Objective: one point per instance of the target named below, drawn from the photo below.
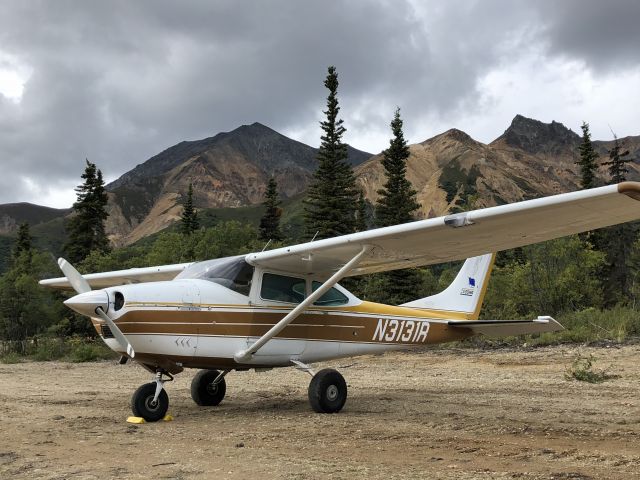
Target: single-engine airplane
(284, 307)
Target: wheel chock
(135, 420)
(167, 418)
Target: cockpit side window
(282, 288)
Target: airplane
(285, 308)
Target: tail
(466, 292)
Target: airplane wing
(121, 277)
(461, 235)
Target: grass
(73, 349)
(10, 358)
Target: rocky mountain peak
(534, 136)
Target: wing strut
(245, 355)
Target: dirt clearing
(440, 414)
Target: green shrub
(46, 349)
(89, 352)
(581, 369)
(10, 358)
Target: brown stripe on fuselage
(328, 325)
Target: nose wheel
(327, 391)
(150, 401)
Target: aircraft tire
(142, 403)
(203, 392)
(327, 391)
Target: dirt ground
(438, 414)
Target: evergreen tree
(617, 162)
(86, 227)
(270, 221)
(397, 204)
(23, 241)
(397, 199)
(190, 222)
(588, 157)
(332, 196)
(617, 241)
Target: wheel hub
(151, 404)
(212, 388)
(332, 393)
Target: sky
(117, 82)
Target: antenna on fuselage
(314, 237)
(266, 245)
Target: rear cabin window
(282, 288)
(332, 298)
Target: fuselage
(199, 324)
(218, 308)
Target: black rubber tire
(203, 392)
(141, 403)
(327, 391)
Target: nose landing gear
(150, 401)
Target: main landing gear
(327, 389)
(208, 387)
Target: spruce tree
(85, 228)
(270, 221)
(329, 208)
(397, 199)
(23, 241)
(617, 241)
(397, 204)
(617, 162)
(190, 222)
(587, 161)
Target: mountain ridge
(231, 169)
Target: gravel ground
(434, 414)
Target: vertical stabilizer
(466, 292)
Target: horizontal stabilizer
(502, 328)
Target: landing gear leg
(151, 401)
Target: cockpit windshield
(231, 272)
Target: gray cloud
(119, 81)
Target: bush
(11, 358)
(582, 370)
(89, 352)
(46, 349)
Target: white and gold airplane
(284, 307)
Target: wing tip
(630, 189)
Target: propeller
(81, 286)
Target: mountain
(13, 214)
(530, 159)
(230, 169)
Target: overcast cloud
(119, 81)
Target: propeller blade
(119, 336)
(76, 280)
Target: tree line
(599, 270)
